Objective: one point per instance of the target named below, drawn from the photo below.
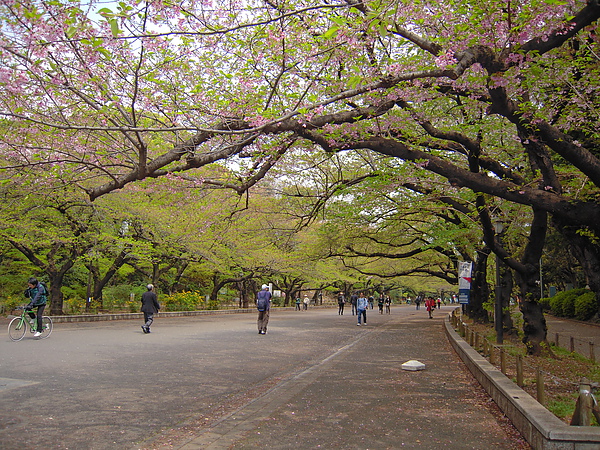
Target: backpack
(42, 284)
(262, 303)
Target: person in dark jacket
(37, 295)
(150, 307)
(353, 300)
(341, 303)
(263, 304)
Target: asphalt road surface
(316, 380)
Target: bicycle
(18, 326)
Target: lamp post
(498, 228)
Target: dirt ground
(561, 371)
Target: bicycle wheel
(46, 326)
(17, 328)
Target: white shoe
(37, 334)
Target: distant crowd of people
(359, 303)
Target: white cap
(264, 286)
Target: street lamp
(498, 228)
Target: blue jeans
(362, 313)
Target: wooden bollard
(541, 396)
(572, 344)
(476, 341)
(592, 354)
(503, 361)
(582, 416)
(492, 356)
(520, 371)
(556, 340)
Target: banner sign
(465, 269)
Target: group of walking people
(360, 303)
(302, 304)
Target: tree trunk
(246, 288)
(180, 270)
(506, 286)
(100, 283)
(480, 291)
(534, 327)
(528, 278)
(56, 282)
(55, 267)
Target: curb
(542, 429)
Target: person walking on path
(298, 302)
(361, 308)
(353, 299)
(341, 302)
(150, 307)
(388, 304)
(430, 306)
(380, 305)
(38, 296)
(263, 304)
(306, 302)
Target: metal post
(541, 280)
(498, 304)
(498, 229)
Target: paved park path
(316, 380)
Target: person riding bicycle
(38, 296)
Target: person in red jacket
(430, 305)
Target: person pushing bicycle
(38, 296)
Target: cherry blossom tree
(498, 97)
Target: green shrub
(183, 301)
(568, 305)
(586, 306)
(8, 304)
(74, 305)
(545, 303)
(119, 297)
(563, 303)
(556, 303)
(213, 304)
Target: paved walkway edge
(542, 429)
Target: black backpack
(262, 303)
